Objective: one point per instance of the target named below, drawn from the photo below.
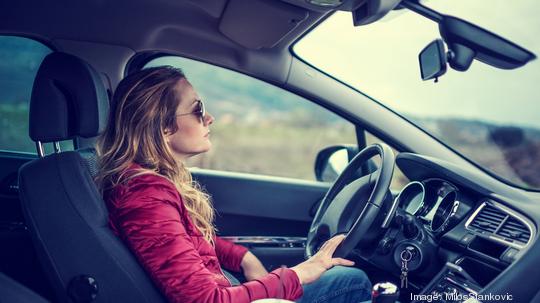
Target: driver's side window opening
(260, 128)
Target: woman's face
(193, 135)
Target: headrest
(68, 100)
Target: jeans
(338, 285)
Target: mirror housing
(433, 60)
(332, 160)
(467, 41)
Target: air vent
(488, 219)
(501, 223)
(514, 230)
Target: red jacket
(147, 212)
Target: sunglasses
(199, 111)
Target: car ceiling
(213, 30)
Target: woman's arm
(238, 258)
(252, 267)
(230, 255)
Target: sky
(381, 60)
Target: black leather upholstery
(89, 158)
(68, 99)
(62, 206)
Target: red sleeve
(229, 254)
(149, 222)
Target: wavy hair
(142, 112)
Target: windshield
(488, 115)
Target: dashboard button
(466, 239)
(509, 255)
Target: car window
(260, 128)
(487, 115)
(19, 62)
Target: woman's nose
(208, 119)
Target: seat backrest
(64, 211)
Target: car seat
(65, 213)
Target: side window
(19, 61)
(260, 128)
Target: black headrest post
(56, 145)
(41, 152)
(39, 148)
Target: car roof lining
(192, 28)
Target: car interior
(462, 233)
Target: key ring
(409, 256)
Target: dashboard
(454, 216)
(449, 202)
(471, 229)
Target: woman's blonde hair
(142, 112)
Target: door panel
(274, 251)
(273, 257)
(11, 218)
(254, 205)
(252, 225)
(262, 206)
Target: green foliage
(19, 61)
(13, 122)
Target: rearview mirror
(433, 60)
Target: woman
(156, 122)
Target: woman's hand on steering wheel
(311, 269)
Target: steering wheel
(353, 205)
